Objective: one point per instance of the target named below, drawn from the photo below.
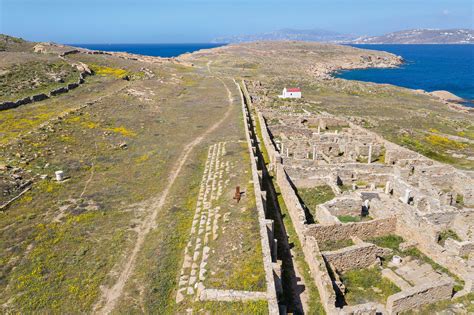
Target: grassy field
(62, 241)
(236, 256)
(34, 77)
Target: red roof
(294, 90)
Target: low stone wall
(362, 230)
(419, 296)
(459, 248)
(340, 206)
(297, 214)
(320, 274)
(309, 245)
(267, 242)
(408, 227)
(324, 216)
(353, 257)
(43, 96)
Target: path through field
(110, 296)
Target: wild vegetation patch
(367, 285)
(329, 245)
(312, 197)
(109, 71)
(445, 234)
(35, 77)
(353, 218)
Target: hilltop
(288, 34)
(417, 36)
(421, 36)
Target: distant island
(415, 36)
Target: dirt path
(110, 296)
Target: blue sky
(170, 21)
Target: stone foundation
(354, 257)
(418, 296)
(362, 230)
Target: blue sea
(157, 50)
(427, 67)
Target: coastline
(373, 59)
(442, 71)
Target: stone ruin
(400, 192)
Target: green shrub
(444, 235)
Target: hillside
(10, 43)
(314, 35)
(422, 36)
(417, 36)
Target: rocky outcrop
(325, 71)
(446, 96)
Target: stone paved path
(205, 223)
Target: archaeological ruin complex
(390, 211)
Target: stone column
(370, 154)
(388, 187)
(406, 197)
(287, 153)
(319, 129)
(367, 204)
(314, 153)
(365, 208)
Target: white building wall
(287, 94)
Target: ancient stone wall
(354, 257)
(409, 227)
(292, 202)
(418, 296)
(362, 230)
(42, 96)
(267, 243)
(462, 249)
(309, 245)
(344, 206)
(324, 216)
(320, 274)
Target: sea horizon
(429, 67)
